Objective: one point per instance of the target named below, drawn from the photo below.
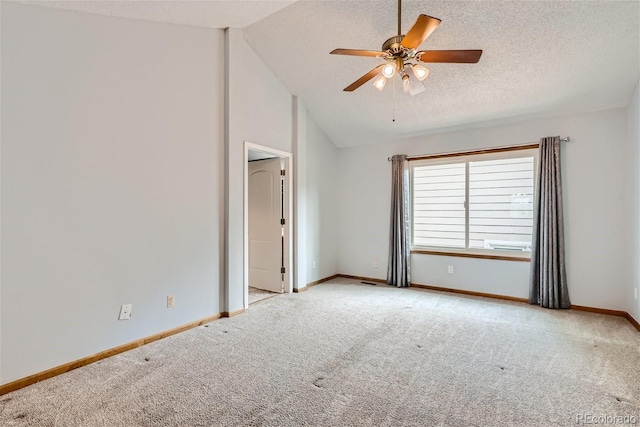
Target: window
(477, 204)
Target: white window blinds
(480, 202)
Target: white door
(265, 227)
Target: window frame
(466, 157)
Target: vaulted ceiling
(199, 13)
(540, 58)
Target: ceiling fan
(401, 56)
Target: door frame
(288, 228)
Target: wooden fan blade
(362, 80)
(423, 27)
(357, 52)
(455, 56)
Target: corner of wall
(224, 294)
(633, 209)
(299, 145)
(1, 382)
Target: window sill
(470, 255)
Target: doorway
(267, 213)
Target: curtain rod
(565, 139)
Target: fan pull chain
(393, 102)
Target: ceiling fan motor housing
(395, 49)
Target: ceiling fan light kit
(400, 54)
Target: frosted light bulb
(406, 84)
(388, 70)
(379, 82)
(420, 72)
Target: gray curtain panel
(399, 245)
(548, 281)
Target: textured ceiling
(201, 13)
(540, 58)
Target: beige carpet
(256, 294)
(347, 354)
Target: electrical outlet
(125, 312)
(376, 264)
(635, 292)
(314, 264)
(171, 301)
(450, 269)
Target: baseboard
(231, 314)
(633, 321)
(472, 293)
(367, 279)
(49, 373)
(326, 279)
(438, 288)
(609, 312)
(600, 310)
(606, 311)
(316, 282)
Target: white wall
(0, 195)
(633, 200)
(111, 171)
(594, 190)
(321, 203)
(364, 192)
(258, 110)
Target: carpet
(349, 354)
(256, 295)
